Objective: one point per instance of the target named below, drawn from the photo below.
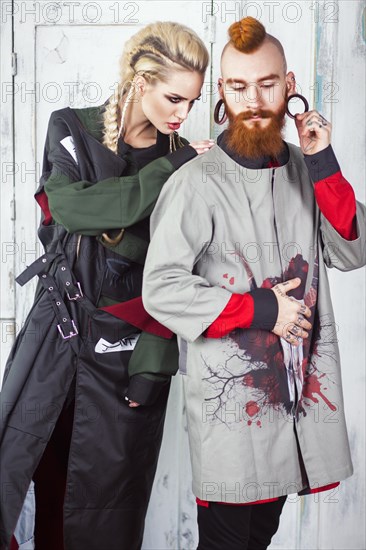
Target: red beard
(255, 142)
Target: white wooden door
(67, 55)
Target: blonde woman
(90, 363)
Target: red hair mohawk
(247, 34)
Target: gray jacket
(253, 401)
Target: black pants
(250, 527)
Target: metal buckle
(77, 296)
(75, 333)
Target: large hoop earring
(217, 118)
(303, 99)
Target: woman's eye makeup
(174, 99)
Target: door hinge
(211, 29)
(14, 64)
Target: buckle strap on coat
(36, 268)
(66, 326)
(73, 288)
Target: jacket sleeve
(90, 208)
(255, 309)
(334, 195)
(342, 218)
(182, 227)
(339, 252)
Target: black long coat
(114, 449)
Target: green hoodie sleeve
(92, 208)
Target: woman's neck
(139, 132)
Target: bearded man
(237, 268)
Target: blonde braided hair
(153, 52)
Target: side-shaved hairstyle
(154, 52)
(248, 34)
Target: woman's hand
(314, 132)
(291, 321)
(132, 403)
(203, 145)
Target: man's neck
(258, 163)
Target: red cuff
(238, 313)
(336, 200)
(42, 200)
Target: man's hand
(203, 145)
(314, 132)
(291, 321)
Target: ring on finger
(300, 319)
(323, 121)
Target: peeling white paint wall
(68, 55)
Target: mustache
(246, 115)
